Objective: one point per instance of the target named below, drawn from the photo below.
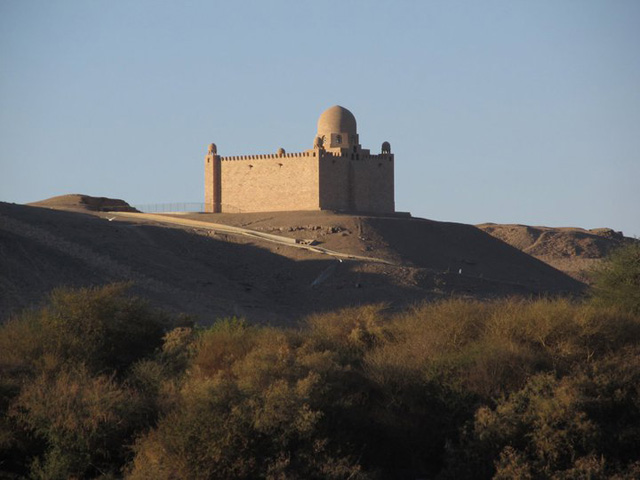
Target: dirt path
(303, 244)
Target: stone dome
(337, 119)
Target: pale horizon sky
(497, 111)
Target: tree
(617, 281)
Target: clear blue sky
(504, 111)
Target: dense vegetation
(617, 281)
(96, 384)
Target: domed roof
(337, 119)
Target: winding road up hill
(186, 263)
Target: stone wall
(373, 183)
(334, 182)
(270, 183)
(362, 184)
(300, 181)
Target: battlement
(362, 155)
(268, 156)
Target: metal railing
(170, 207)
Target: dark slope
(193, 271)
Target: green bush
(84, 421)
(583, 425)
(92, 386)
(617, 281)
(389, 395)
(248, 410)
(101, 327)
(78, 337)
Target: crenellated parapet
(268, 156)
(360, 155)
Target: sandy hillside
(574, 251)
(202, 270)
(81, 202)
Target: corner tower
(352, 179)
(212, 180)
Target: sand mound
(575, 251)
(79, 202)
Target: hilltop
(574, 251)
(81, 202)
(201, 268)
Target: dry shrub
(617, 280)
(248, 410)
(24, 345)
(84, 421)
(79, 333)
(178, 348)
(219, 347)
(512, 464)
(158, 379)
(515, 388)
(610, 396)
(349, 331)
(582, 425)
(470, 346)
(440, 361)
(538, 430)
(101, 327)
(491, 348)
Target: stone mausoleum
(336, 174)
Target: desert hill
(81, 202)
(190, 263)
(574, 251)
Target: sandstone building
(336, 174)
